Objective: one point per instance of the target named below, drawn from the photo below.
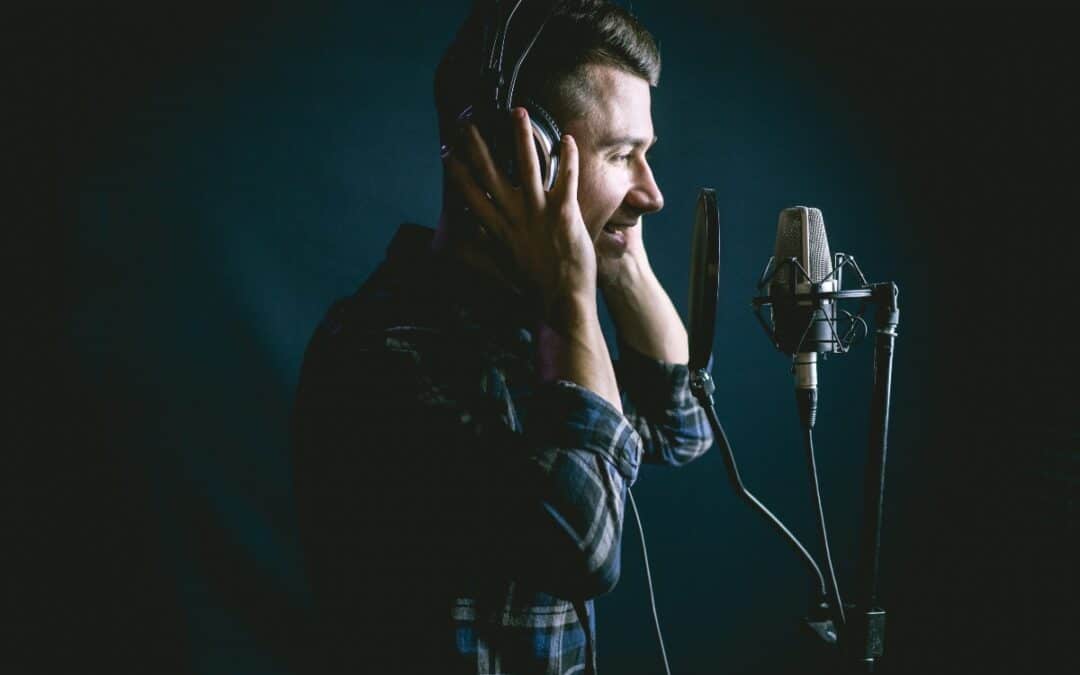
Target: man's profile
(464, 442)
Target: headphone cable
(648, 579)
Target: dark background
(193, 186)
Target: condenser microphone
(804, 324)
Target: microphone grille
(820, 259)
(800, 234)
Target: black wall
(194, 185)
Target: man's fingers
(475, 196)
(567, 180)
(528, 162)
(482, 163)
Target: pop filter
(704, 278)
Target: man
(464, 442)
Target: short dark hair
(578, 34)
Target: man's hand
(550, 246)
(544, 232)
(643, 312)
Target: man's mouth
(614, 237)
(612, 227)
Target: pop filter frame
(704, 289)
(704, 279)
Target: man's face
(616, 185)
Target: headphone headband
(491, 113)
(495, 75)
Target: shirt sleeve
(589, 454)
(404, 431)
(659, 404)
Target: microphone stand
(864, 637)
(861, 639)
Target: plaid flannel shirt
(459, 515)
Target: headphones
(491, 114)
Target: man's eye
(623, 158)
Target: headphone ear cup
(497, 132)
(548, 139)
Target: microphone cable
(808, 437)
(648, 579)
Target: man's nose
(645, 195)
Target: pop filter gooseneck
(704, 287)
